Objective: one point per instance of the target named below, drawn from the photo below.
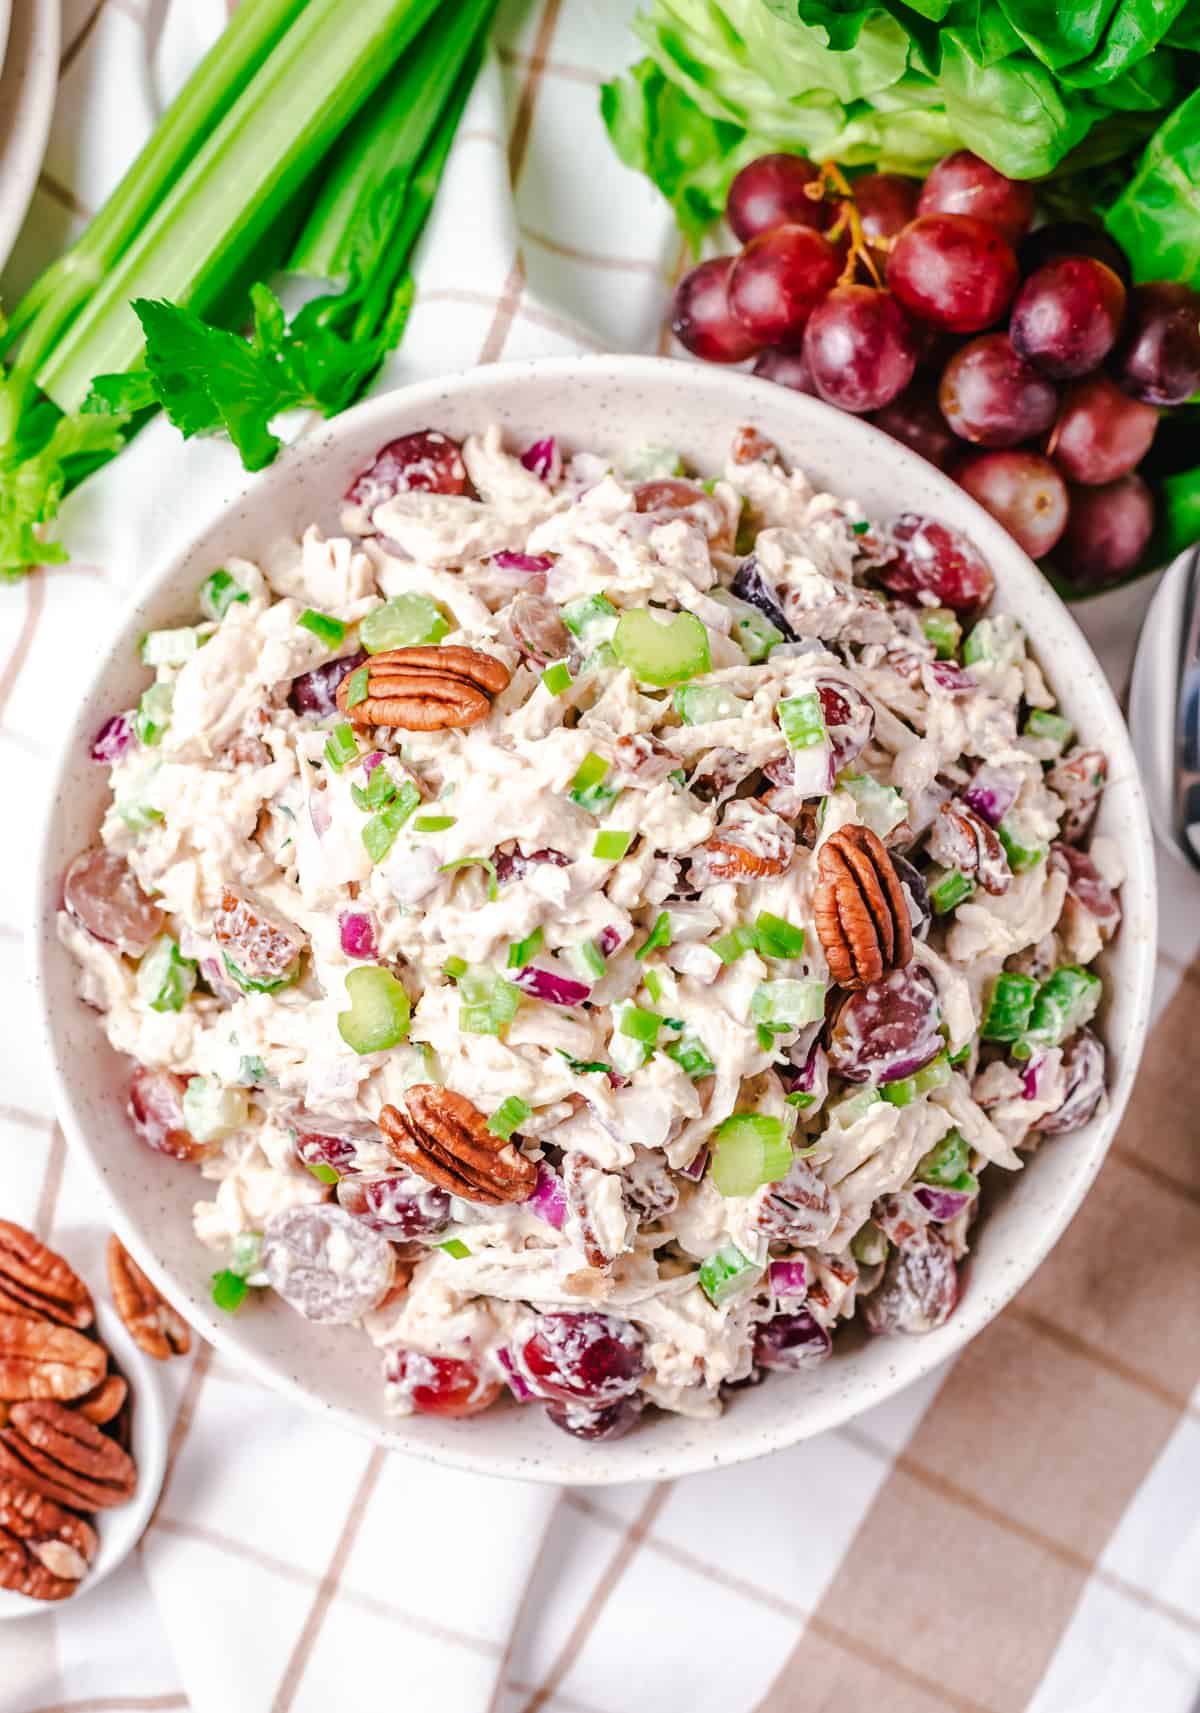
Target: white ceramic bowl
(611, 404)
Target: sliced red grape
(860, 348)
(774, 191)
(919, 1287)
(778, 280)
(962, 183)
(155, 1109)
(439, 1385)
(932, 558)
(1107, 532)
(702, 319)
(398, 1207)
(849, 720)
(1101, 432)
(588, 1356)
(886, 202)
(888, 1029)
(954, 271)
(315, 692)
(426, 461)
(791, 1341)
(1067, 316)
(334, 1142)
(992, 397)
(915, 419)
(787, 369)
(101, 892)
(1157, 358)
(1023, 491)
(591, 1422)
(1071, 238)
(1083, 1069)
(327, 1266)
(672, 496)
(537, 628)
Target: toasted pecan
(57, 1452)
(40, 1359)
(153, 1324)
(44, 1550)
(859, 908)
(444, 1137)
(425, 689)
(36, 1281)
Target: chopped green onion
(1020, 853)
(165, 978)
(765, 1036)
(904, 1090)
(218, 593)
(332, 632)
(169, 647)
(948, 1164)
(153, 713)
(584, 1067)
(436, 824)
(749, 1149)
(727, 1274)
(995, 641)
(379, 790)
(800, 1099)
(454, 967)
(341, 747)
(379, 1011)
(776, 938)
(659, 935)
(880, 807)
(947, 889)
(484, 863)
(783, 1005)
(862, 527)
(661, 648)
(404, 621)
(587, 788)
(590, 958)
(730, 946)
(611, 845)
(1009, 1007)
(489, 1003)
(690, 1055)
(456, 1247)
(508, 1115)
(524, 951)
(1051, 728)
(379, 834)
(654, 987)
(228, 1290)
(941, 627)
(321, 1172)
(357, 687)
(557, 678)
(802, 720)
(639, 1025)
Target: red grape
(778, 280)
(1158, 357)
(932, 558)
(1106, 532)
(860, 348)
(915, 419)
(155, 1110)
(103, 894)
(701, 319)
(1101, 433)
(886, 202)
(773, 191)
(593, 1422)
(1071, 238)
(787, 369)
(1024, 491)
(589, 1356)
(439, 1385)
(992, 397)
(964, 184)
(954, 271)
(1067, 316)
(426, 462)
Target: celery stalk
(321, 72)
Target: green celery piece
(508, 1115)
(194, 243)
(726, 1274)
(1009, 1007)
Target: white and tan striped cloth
(1017, 1535)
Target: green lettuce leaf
(1156, 218)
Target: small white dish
(28, 86)
(120, 1529)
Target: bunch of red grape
(1020, 361)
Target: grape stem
(833, 176)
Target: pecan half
(152, 1323)
(750, 842)
(444, 1137)
(104, 1403)
(36, 1281)
(584, 1185)
(263, 949)
(44, 1550)
(426, 689)
(963, 840)
(859, 908)
(56, 1452)
(749, 446)
(39, 1359)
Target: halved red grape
(327, 1266)
(1157, 358)
(537, 628)
(426, 461)
(589, 1356)
(315, 692)
(934, 559)
(1107, 532)
(439, 1385)
(919, 1287)
(1023, 491)
(886, 202)
(860, 348)
(954, 271)
(587, 1421)
(962, 183)
(773, 191)
(397, 1207)
(849, 720)
(702, 319)
(672, 496)
(155, 1110)
(1087, 888)
(915, 419)
(102, 893)
(1101, 432)
(791, 1341)
(888, 1029)
(1067, 316)
(992, 397)
(1071, 238)
(787, 369)
(1083, 1068)
(778, 280)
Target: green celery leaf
(1156, 218)
(207, 379)
(111, 394)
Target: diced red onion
(947, 676)
(942, 1204)
(507, 560)
(811, 1077)
(114, 737)
(548, 1200)
(695, 1167)
(371, 762)
(358, 935)
(547, 984)
(608, 939)
(992, 793)
(543, 459)
(318, 813)
(1037, 1072)
(517, 1383)
(789, 1278)
(515, 865)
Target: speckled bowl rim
(1029, 1216)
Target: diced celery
(433, 823)
(403, 621)
(727, 1274)
(764, 1034)
(1009, 1007)
(321, 1172)
(524, 951)
(690, 1055)
(948, 1164)
(652, 982)
(802, 721)
(590, 959)
(611, 844)
(995, 641)
(379, 834)
(1018, 847)
(904, 1090)
(732, 945)
(749, 1149)
(752, 629)
(379, 1011)
(1049, 728)
(776, 938)
(511, 1113)
(782, 1005)
(341, 747)
(455, 1247)
(557, 678)
(137, 815)
(601, 659)
(169, 647)
(489, 1003)
(592, 619)
(455, 967)
(210, 1112)
(153, 713)
(700, 704)
(218, 593)
(588, 789)
(940, 626)
(1065, 1002)
(855, 1106)
(638, 1024)
(330, 631)
(947, 889)
(880, 807)
(659, 935)
(652, 464)
(165, 978)
(661, 648)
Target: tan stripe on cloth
(971, 1560)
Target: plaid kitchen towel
(1015, 1535)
